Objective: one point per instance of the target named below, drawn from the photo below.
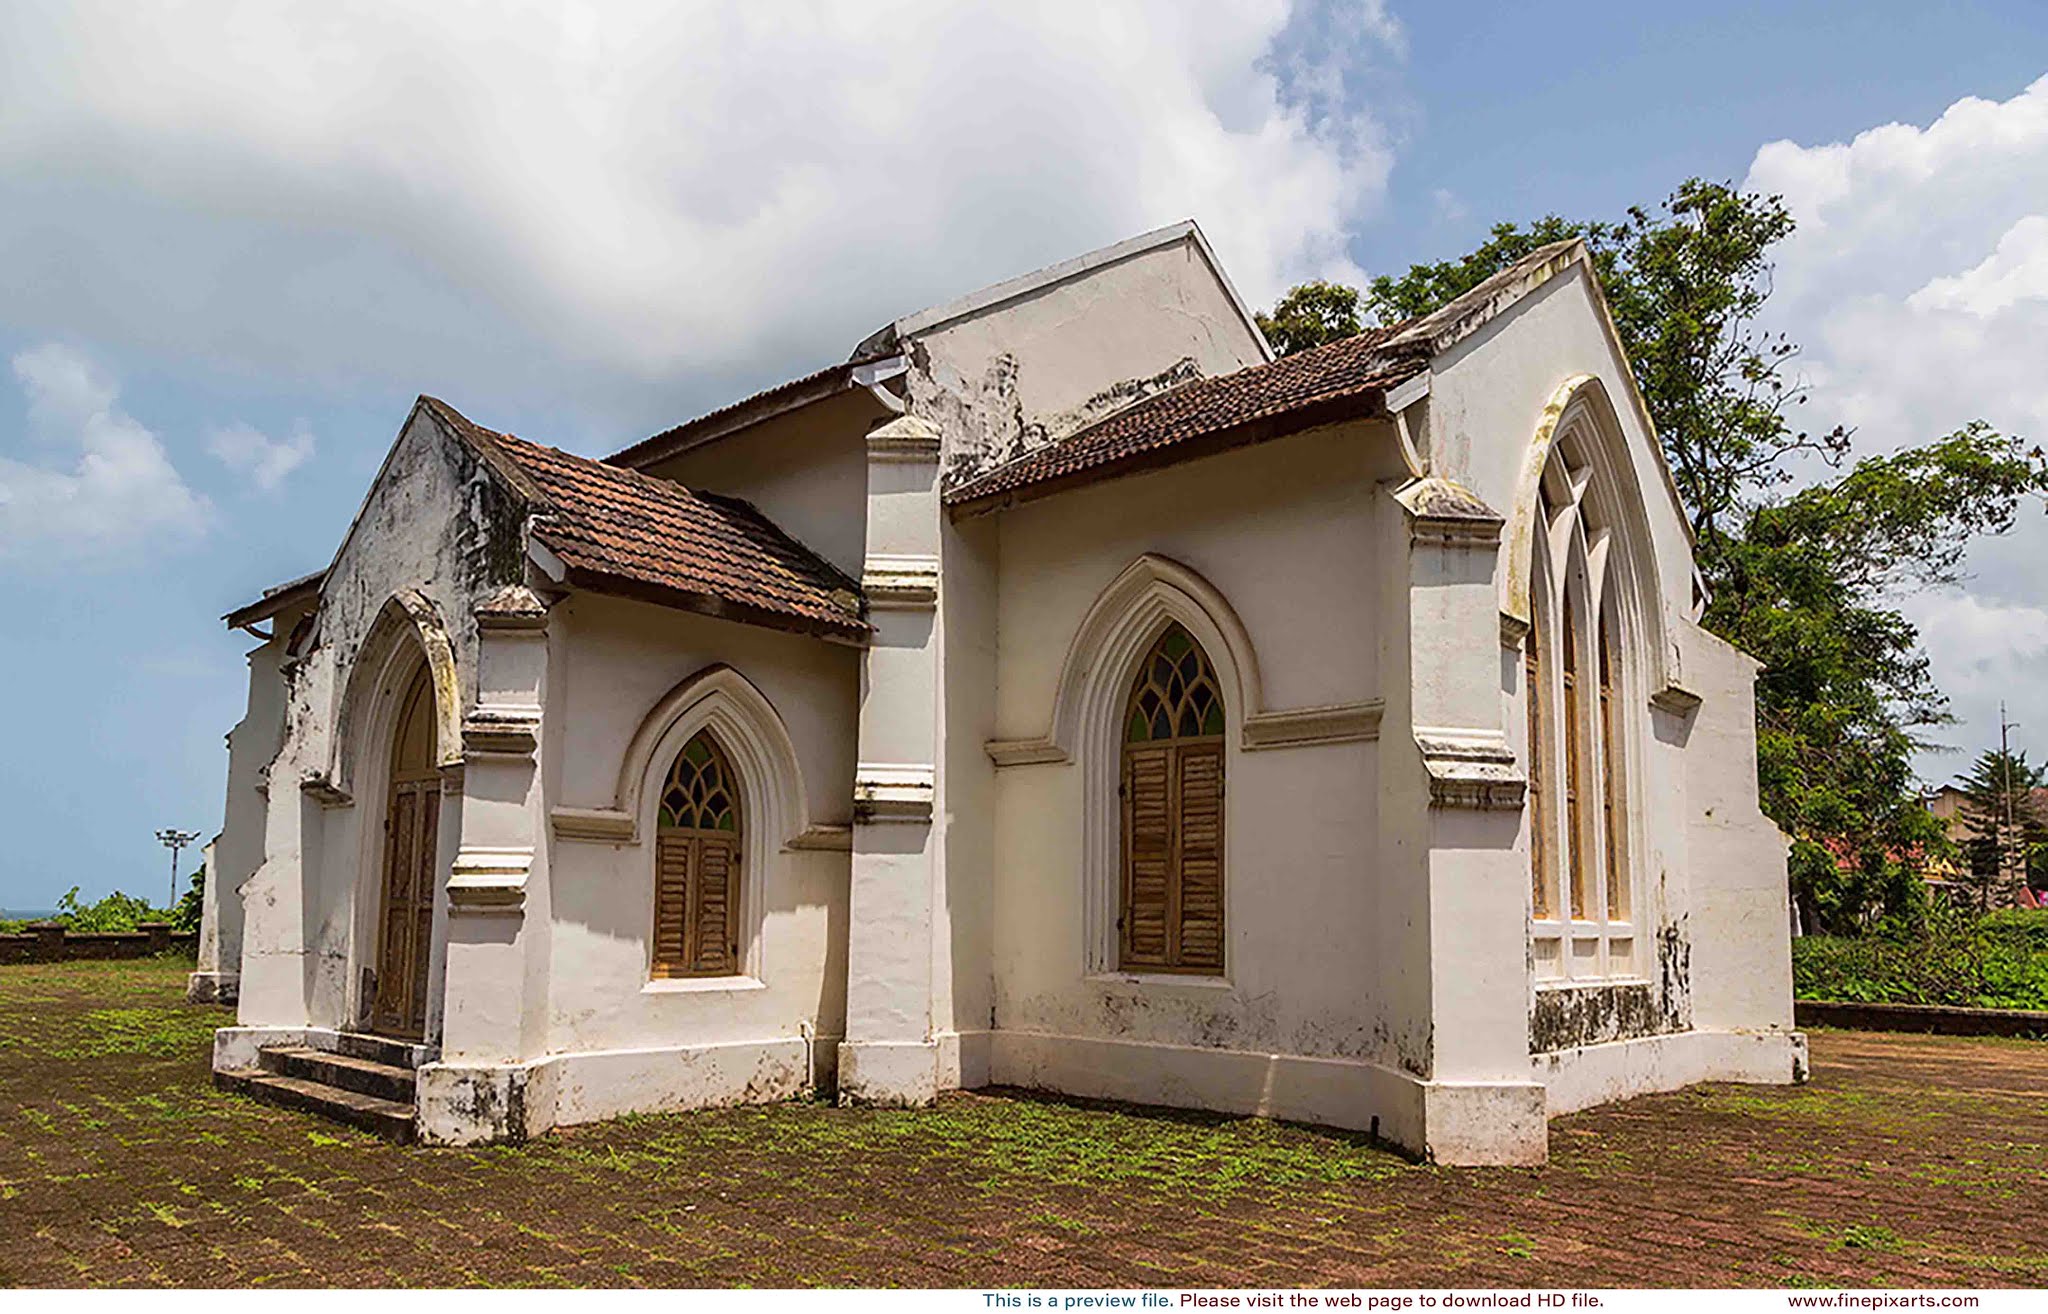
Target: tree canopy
(1804, 561)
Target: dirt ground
(1909, 1161)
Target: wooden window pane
(1574, 766)
(697, 864)
(1171, 914)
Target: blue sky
(232, 251)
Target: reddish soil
(1909, 1161)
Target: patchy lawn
(1908, 1161)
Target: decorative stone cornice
(321, 788)
(489, 880)
(513, 608)
(1444, 513)
(1024, 752)
(823, 837)
(1296, 727)
(501, 732)
(599, 825)
(907, 438)
(1676, 699)
(1513, 630)
(900, 583)
(893, 793)
(1471, 769)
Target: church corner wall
(435, 522)
(617, 1040)
(1741, 933)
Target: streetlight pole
(174, 839)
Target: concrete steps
(363, 1081)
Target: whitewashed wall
(1283, 531)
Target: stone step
(376, 1049)
(386, 1118)
(363, 1076)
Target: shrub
(1995, 961)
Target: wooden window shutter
(697, 866)
(712, 949)
(1171, 915)
(1148, 856)
(672, 903)
(1199, 824)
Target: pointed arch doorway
(412, 827)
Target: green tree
(1309, 316)
(1804, 578)
(2006, 836)
(1686, 284)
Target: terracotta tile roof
(620, 531)
(769, 401)
(1340, 380)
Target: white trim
(770, 795)
(717, 695)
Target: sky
(236, 240)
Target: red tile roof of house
(1340, 380)
(620, 531)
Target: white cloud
(546, 196)
(1918, 282)
(262, 460)
(123, 489)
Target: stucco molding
(485, 880)
(1582, 403)
(1339, 723)
(745, 723)
(900, 583)
(1676, 699)
(1121, 624)
(501, 732)
(1444, 513)
(907, 439)
(893, 792)
(1471, 769)
(408, 615)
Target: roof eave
(767, 405)
(280, 599)
(1364, 404)
(855, 633)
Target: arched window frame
(1172, 906)
(699, 864)
(772, 799)
(1580, 727)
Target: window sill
(1590, 982)
(1152, 979)
(700, 985)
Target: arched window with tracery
(1171, 913)
(697, 865)
(1575, 680)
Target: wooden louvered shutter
(1148, 856)
(712, 948)
(673, 854)
(1173, 733)
(1199, 828)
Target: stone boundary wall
(1936, 1018)
(50, 943)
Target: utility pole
(174, 839)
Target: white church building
(1061, 693)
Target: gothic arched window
(697, 865)
(1171, 915)
(1574, 687)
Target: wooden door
(412, 826)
